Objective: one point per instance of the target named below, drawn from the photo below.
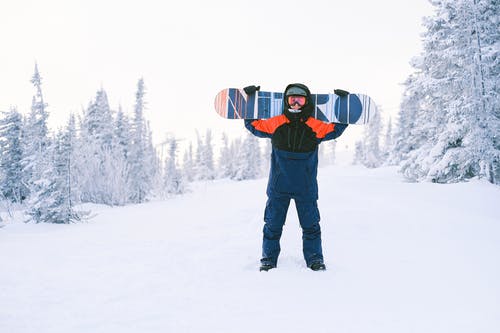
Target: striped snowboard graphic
(234, 103)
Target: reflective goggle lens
(300, 100)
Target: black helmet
(297, 89)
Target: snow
(401, 257)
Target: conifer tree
(174, 182)
(52, 203)
(248, 161)
(140, 163)
(234, 150)
(12, 186)
(410, 134)
(455, 88)
(122, 133)
(98, 121)
(152, 162)
(188, 164)
(72, 143)
(36, 139)
(204, 157)
(372, 154)
(388, 143)
(226, 159)
(106, 176)
(103, 166)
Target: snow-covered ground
(401, 257)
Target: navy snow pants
(274, 217)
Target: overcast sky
(188, 50)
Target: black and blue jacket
(294, 159)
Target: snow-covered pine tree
(226, 159)
(44, 192)
(372, 155)
(104, 176)
(153, 164)
(52, 203)
(123, 133)
(458, 76)
(139, 162)
(388, 142)
(204, 157)
(413, 130)
(71, 143)
(209, 155)
(234, 150)
(98, 121)
(405, 122)
(85, 160)
(424, 105)
(465, 149)
(488, 64)
(116, 184)
(39, 115)
(35, 138)
(12, 186)
(188, 164)
(197, 157)
(248, 160)
(91, 148)
(173, 182)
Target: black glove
(250, 90)
(341, 92)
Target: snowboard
(233, 103)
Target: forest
(447, 131)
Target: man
(295, 136)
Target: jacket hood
(306, 110)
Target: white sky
(188, 50)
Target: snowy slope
(401, 257)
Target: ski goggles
(300, 100)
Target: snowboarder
(295, 136)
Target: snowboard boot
(317, 266)
(265, 267)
